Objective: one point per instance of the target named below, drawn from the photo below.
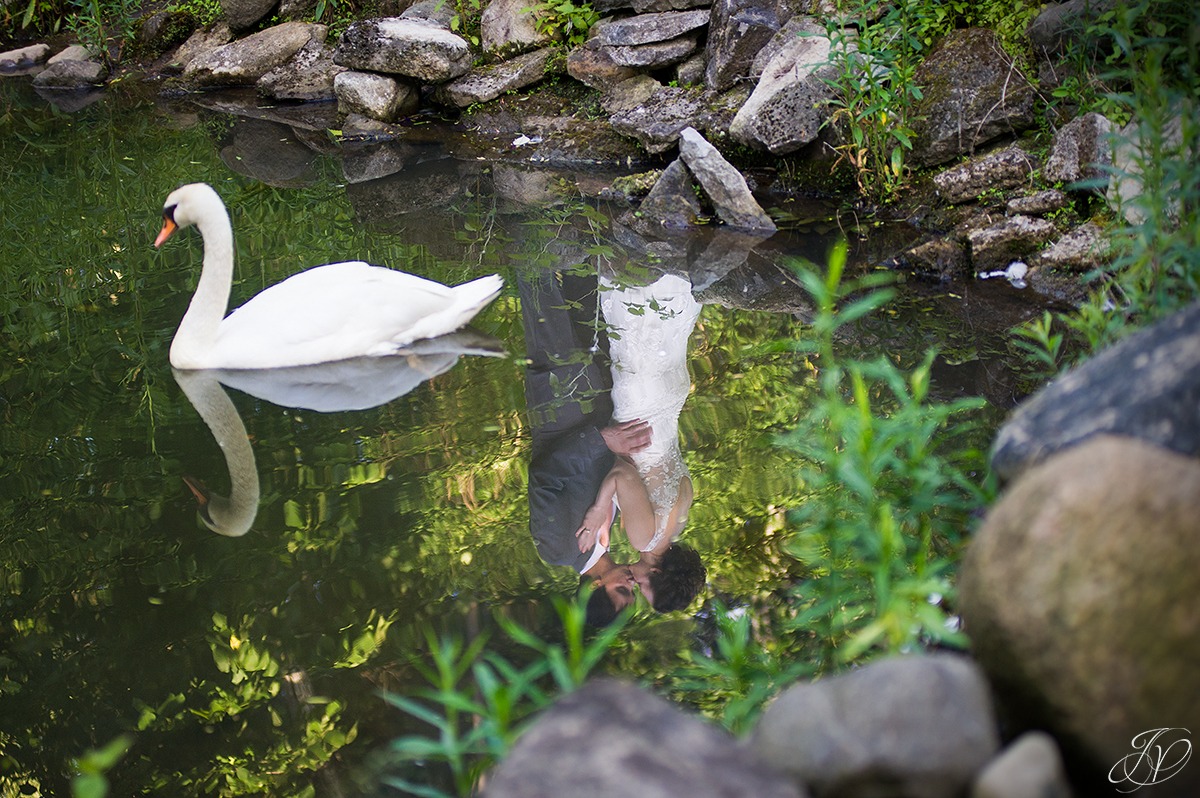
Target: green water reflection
(251, 665)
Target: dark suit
(567, 391)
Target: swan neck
(197, 333)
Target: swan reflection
(356, 384)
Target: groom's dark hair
(600, 610)
(679, 577)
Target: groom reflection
(605, 434)
(575, 443)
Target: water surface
(253, 664)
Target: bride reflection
(356, 384)
(649, 327)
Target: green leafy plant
(479, 702)
(875, 94)
(734, 682)
(90, 780)
(893, 481)
(1150, 73)
(97, 23)
(564, 20)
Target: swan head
(222, 515)
(188, 205)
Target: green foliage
(1041, 345)
(479, 702)
(734, 682)
(1149, 71)
(875, 94)
(466, 17)
(90, 780)
(893, 480)
(206, 12)
(564, 20)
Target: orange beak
(168, 229)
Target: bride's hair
(679, 577)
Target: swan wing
(332, 312)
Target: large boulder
(71, 75)
(1031, 767)
(24, 57)
(610, 739)
(789, 104)
(1006, 169)
(1078, 593)
(656, 124)
(511, 25)
(593, 65)
(243, 15)
(1083, 249)
(973, 93)
(307, 77)
(1015, 238)
(1147, 386)
(243, 62)
(648, 28)
(723, 184)
(738, 30)
(1081, 151)
(410, 48)
(485, 83)
(374, 96)
(915, 726)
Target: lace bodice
(648, 337)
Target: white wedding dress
(649, 328)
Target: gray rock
(435, 12)
(654, 55)
(510, 26)
(1030, 767)
(362, 163)
(245, 14)
(70, 75)
(1078, 592)
(727, 250)
(23, 57)
(307, 77)
(527, 187)
(943, 258)
(973, 94)
(1147, 386)
(671, 203)
(996, 246)
(657, 124)
(1135, 147)
(162, 30)
(629, 94)
(374, 96)
(267, 152)
(648, 28)
(738, 30)
(690, 71)
(724, 185)
(1038, 204)
(243, 62)
(1060, 25)
(1001, 170)
(1081, 151)
(75, 52)
(297, 10)
(913, 726)
(489, 82)
(611, 739)
(407, 47)
(1084, 249)
(789, 104)
(592, 65)
(202, 42)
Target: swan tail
(466, 302)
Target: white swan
(327, 313)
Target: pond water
(253, 664)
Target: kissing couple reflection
(606, 382)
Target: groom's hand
(627, 437)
